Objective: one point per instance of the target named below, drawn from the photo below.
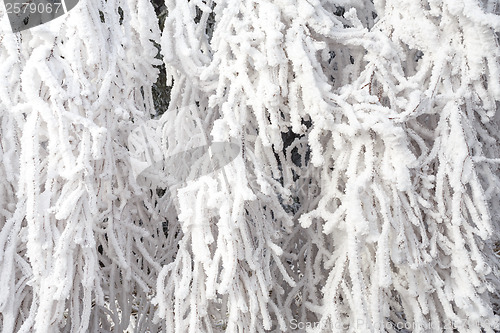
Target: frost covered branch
(365, 192)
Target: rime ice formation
(365, 198)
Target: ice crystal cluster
(364, 195)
